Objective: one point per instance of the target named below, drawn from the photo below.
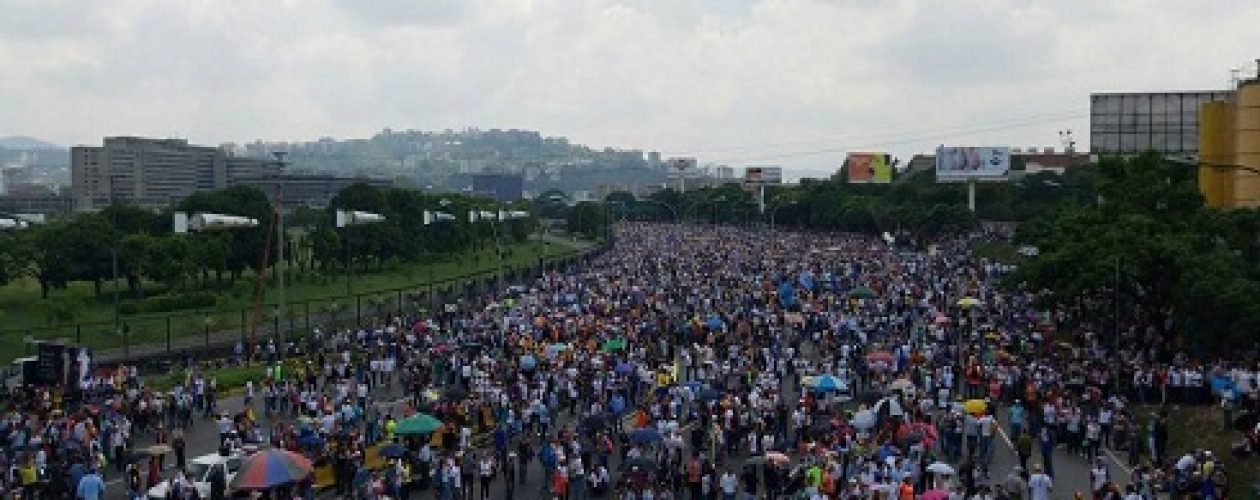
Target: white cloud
(730, 78)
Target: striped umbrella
(270, 468)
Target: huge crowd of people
(689, 361)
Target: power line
(906, 140)
(1008, 121)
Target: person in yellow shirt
(29, 475)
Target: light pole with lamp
(431, 218)
(203, 222)
(501, 216)
(775, 210)
(345, 219)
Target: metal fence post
(78, 334)
(358, 310)
(307, 305)
(168, 335)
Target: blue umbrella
(787, 296)
(528, 362)
(392, 450)
(714, 323)
(710, 395)
(645, 435)
(1219, 384)
(624, 367)
(826, 383)
(310, 441)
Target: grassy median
(78, 315)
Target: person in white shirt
(1098, 475)
(1039, 484)
(729, 485)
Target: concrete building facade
(154, 173)
(314, 191)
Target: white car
(199, 470)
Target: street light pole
(774, 211)
(281, 266)
(1116, 293)
(113, 257)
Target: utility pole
(280, 264)
(1116, 293)
(113, 257)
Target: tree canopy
(82, 247)
(1149, 243)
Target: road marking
(998, 425)
(1127, 470)
(1110, 454)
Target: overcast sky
(786, 82)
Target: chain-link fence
(207, 333)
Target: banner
(869, 168)
(763, 175)
(963, 164)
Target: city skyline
(796, 83)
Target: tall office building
(153, 173)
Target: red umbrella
(880, 357)
(935, 495)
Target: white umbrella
(891, 405)
(864, 419)
(941, 468)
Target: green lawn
(1000, 252)
(1199, 427)
(23, 312)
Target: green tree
(134, 253)
(51, 256)
(1154, 251)
(15, 256)
(169, 261)
(246, 245)
(588, 219)
(326, 247)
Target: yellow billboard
(867, 168)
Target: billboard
(1134, 123)
(962, 164)
(681, 164)
(869, 168)
(763, 175)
